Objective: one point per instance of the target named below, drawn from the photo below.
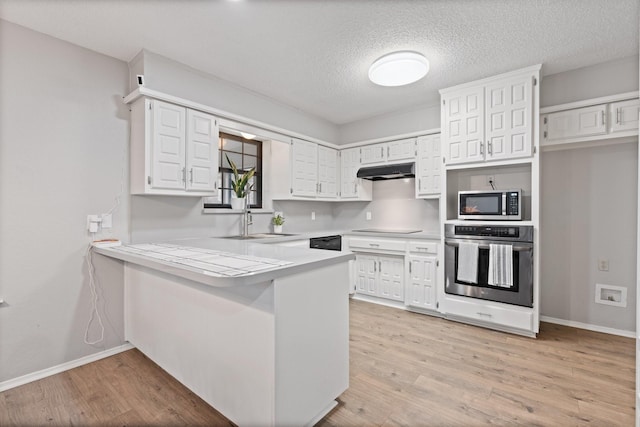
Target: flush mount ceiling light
(247, 135)
(398, 69)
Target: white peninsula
(260, 332)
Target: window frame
(258, 178)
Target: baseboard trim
(589, 327)
(38, 375)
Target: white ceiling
(314, 55)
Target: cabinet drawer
(511, 317)
(424, 247)
(377, 244)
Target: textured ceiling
(314, 55)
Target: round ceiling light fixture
(398, 68)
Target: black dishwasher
(329, 243)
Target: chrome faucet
(247, 219)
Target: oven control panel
(515, 233)
(494, 231)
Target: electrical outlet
(313, 216)
(491, 179)
(107, 220)
(603, 264)
(368, 216)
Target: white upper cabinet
(352, 188)
(168, 144)
(428, 166)
(491, 119)
(304, 168)
(327, 172)
(389, 152)
(375, 153)
(624, 115)
(463, 130)
(202, 151)
(508, 111)
(174, 150)
(404, 149)
(589, 121)
(580, 122)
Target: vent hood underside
(377, 173)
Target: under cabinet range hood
(376, 173)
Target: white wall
(589, 212)
(608, 78)
(63, 134)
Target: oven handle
(515, 248)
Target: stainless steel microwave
(490, 205)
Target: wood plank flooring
(406, 370)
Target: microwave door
(482, 204)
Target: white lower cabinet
(510, 317)
(401, 270)
(380, 276)
(421, 283)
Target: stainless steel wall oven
(520, 238)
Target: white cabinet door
(428, 166)
(624, 115)
(464, 125)
(421, 286)
(375, 153)
(366, 275)
(509, 116)
(304, 168)
(168, 146)
(580, 122)
(391, 277)
(327, 172)
(201, 151)
(349, 165)
(404, 149)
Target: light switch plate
(107, 220)
(368, 216)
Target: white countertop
(237, 262)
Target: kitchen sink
(258, 236)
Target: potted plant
(239, 185)
(277, 222)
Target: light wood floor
(406, 370)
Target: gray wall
(608, 78)
(169, 76)
(589, 212)
(63, 144)
(390, 125)
(394, 206)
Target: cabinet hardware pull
(374, 245)
(484, 314)
(380, 266)
(618, 116)
(422, 247)
(381, 151)
(320, 191)
(374, 267)
(191, 175)
(409, 267)
(515, 248)
(490, 147)
(481, 148)
(603, 118)
(387, 151)
(355, 188)
(184, 174)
